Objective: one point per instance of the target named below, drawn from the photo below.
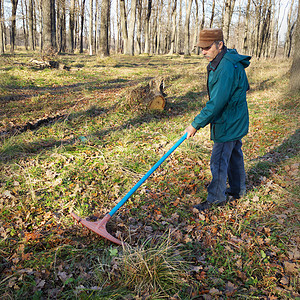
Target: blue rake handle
(142, 180)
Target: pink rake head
(99, 227)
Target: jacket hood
(234, 57)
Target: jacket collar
(212, 66)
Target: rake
(99, 227)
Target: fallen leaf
(291, 268)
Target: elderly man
(227, 113)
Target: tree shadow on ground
(175, 107)
(289, 148)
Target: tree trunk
(212, 14)
(47, 27)
(81, 25)
(139, 27)
(187, 29)
(203, 15)
(229, 7)
(173, 35)
(61, 30)
(91, 28)
(124, 25)
(147, 28)
(31, 27)
(289, 32)
(130, 47)
(14, 4)
(72, 26)
(147, 97)
(104, 37)
(196, 32)
(295, 69)
(246, 28)
(1, 29)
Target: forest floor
(70, 142)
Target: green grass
(92, 155)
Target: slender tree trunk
(147, 28)
(72, 26)
(139, 27)
(212, 14)
(229, 7)
(1, 29)
(124, 25)
(104, 28)
(246, 27)
(295, 69)
(290, 27)
(187, 29)
(173, 35)
(31, 27)
(196, 33)
(130, 47)
(24, 25)
(203, 15)
(47, 27)
(97, 14)
(81, 25)
(159, 30)
(13, 25)
(91, 28)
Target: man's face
(212, 51)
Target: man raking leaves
(227, 113)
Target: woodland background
(261, 28)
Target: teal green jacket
(227, 109)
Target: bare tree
(49, 32)
(289, 33)
(72, 26)
(130, 47)
(13, 25)
(295, 69)
(91, 28)
(61, 24)
(229, 7)
(246, 27)
(212, 13)
(173, 35)
(82, 7)
(187, 29)
(147, 27)
(31, 23)
(1, 28)
(104, 36)
(124, 25)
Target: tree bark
(124, 25)
(229, 7)
(246, 28)
(187, 29)
(72, 26)
(173, 35)
(147, 28)
(104, 29)
(14, 4)
(81, 25)
(295, 69)
(130, 47)
(91, 28)
(139, 27)
(1, 29)
(212, 14)
(48, 44)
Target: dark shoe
(203, 206)
(206, 205)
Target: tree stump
(150, 97)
